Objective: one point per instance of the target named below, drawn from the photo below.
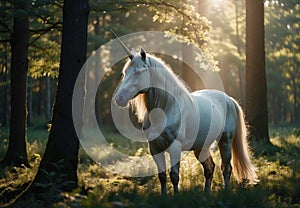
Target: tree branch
(5, 41)
(44, 31)
(177, 9)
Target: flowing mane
(162, 77)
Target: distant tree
(282, 60)
(61, 154)
(43, 53)
(4, 72)
(17, 154)
(256, 89)
(5, 86)
(227, 42)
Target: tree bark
(238, 48)
(29, 101)
(40, 105)
(61, 154)
(6, 97)
(5, 81)
(16, 154)
(48, 99)
(256, 90)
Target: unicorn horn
(123, 45)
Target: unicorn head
(135, 78)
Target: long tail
(241, 160)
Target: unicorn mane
(162, 77)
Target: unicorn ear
(143, 54)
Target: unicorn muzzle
(121, 100)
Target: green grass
(279, 174)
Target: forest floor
(278, 170)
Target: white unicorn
(176, 120)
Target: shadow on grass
(279, 185)
(239, 197)
(262, 148)
(279, 146)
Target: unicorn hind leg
(208, 166)
(225, 146)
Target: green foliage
(183, 19)
(44, 48)
(283, 59)
(44, 58)
(216, 35)
(278, 163)
(45, 19)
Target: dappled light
(278, 170)
(74, 132)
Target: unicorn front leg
(175, 156)
(157, 146)
(161, 167)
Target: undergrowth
(278, 170)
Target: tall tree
(256, 90)
(239, 50)
(48, 99)
(5, 78)
(61, 154)
(17, 154)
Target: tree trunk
(5, 78)
(40, 97)
(238, 48)
(48, 99)
(224, 72)
(6, 98)
(256, 91)
(203, 6)
(6, 115)
(61, 154)
(295, 118)
(29, 101)
(16, 154)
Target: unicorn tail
(241, 155)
